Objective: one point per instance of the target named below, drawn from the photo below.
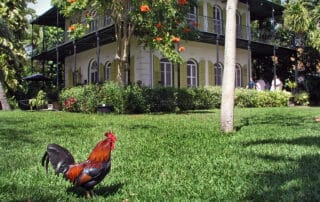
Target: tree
(13, 24)
(158, 25)
(228, 82)
(303, 18)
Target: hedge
(140, 99)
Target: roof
(49, 18)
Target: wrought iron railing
(204, 24)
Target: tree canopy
(13, 26)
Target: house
(90, 59)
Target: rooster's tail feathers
(59, 157)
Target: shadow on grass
(274, 119)
(104, 191)
(298, 181)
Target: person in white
(260, 85)
(276, 84)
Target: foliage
(301, 98)
(113, 94)
(302, 17)
(13, 24)
(272, 156)
(135, 99)
(39, 101)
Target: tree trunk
(3, 99)
(228, 82)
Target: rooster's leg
(89, 193)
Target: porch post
(57, 51)
(249, 71)
(274, 48)
(32, 47)
(98, 47)
(75, 79)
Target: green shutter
(101, 73)
(202, 73)
(156, 71)
(244, 74)
(70, 77)
(79, 75)
(132, 67)
(200, 9)
(244, 25)
(183, 75)
(210, 18)
(175, 74)
(211, 73)
(224, 17)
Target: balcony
(205, 24)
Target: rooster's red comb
(110, 136)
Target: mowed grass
(273, 156)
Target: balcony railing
(210, 25)
(205, 24)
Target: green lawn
(273, 156)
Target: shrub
(185, 99)
(215, 96)
(301, 99)
(40, 101)
(246, 98)
(113, 94)
(75, 92)
(135, 101)
(161, 99)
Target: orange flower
(159, 38)
(144, 8)
(71, 1)
(175, 39)
(182, 2)
(159, 25)
(71, 28)
(182, 48)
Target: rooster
(86, 174)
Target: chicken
(86, 174)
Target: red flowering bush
(69, 104)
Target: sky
(41, 6)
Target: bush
(185, 99)
(301, 99)
(161, 99)
(246, 98)
(40, 101)
(113, 94)
(135, 101)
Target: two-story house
(90, 59)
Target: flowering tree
(158, 25)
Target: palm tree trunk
(228, 82)
(3, 99)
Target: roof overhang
(262, 9)
(51, 17)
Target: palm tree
(227, 101)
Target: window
(238, 75)
(94, 72)
(166, 72)
(107, 71)
(192, 74)
(217, 20)
(238, 22)
(218, 72)
(192, 15)
(107, 18)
